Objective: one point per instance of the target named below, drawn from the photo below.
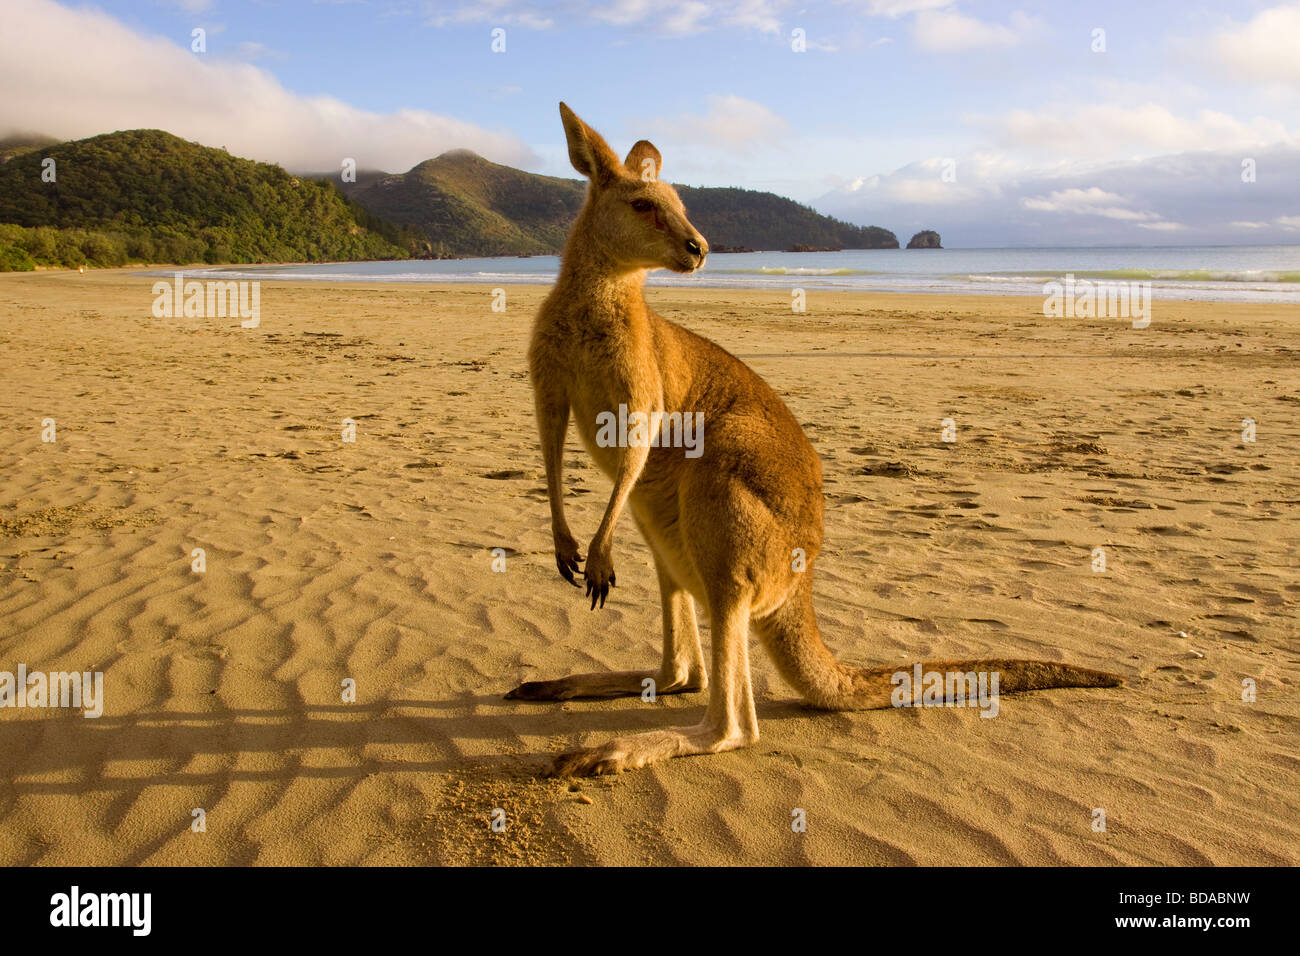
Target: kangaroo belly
(662, 529)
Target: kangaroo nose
(694, 249)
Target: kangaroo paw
(639, 750)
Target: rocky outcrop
(925, 239)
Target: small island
(925, 239)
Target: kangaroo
(723, 525)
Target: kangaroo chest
(610, 376)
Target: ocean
(1208, 273)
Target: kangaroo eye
(642, 205)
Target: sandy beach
(327, 561)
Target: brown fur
(723, 526)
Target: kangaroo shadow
(60, 752)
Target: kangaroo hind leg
(729, 722)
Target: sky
(996, 123)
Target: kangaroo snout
(696, 250)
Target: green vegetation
(23, 249)
(759, 220)
(464, 205)
(148, 196)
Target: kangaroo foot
(604, 684)
(639, 750)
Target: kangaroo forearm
(559, 522)
(555, 494)
(553, 423)
(629, 471)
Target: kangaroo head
(631, 217)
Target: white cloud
(899, 8)
(927, 192)
(1264, 49)
(623, 12)
(1092, 201)
(685, 17)
(252, 50)
(938, 27)
(732, 124)
(120, 79)
(948, 31)
(1114, 130)
(191, 6)
(753, 14)
(496, 12)
(1194, 196)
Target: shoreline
(884, 297)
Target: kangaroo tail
(791, 637)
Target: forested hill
(758, 220)
(465, 205)
(149, 196)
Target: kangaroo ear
(644, 160)
(588, 152)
